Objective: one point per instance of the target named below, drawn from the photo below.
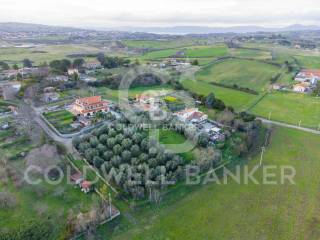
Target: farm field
(42, 54)
(161, 44)
(290, 108)
(250, 53)
(207, 51)
(237, 99)
(114, 94)
(244, 73)
(242, 211)
(312, 62)
(189, 52)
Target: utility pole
(299, 123)
(270, 115)
(261, 157)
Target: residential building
(72, 71)
(89, 105)
(301, 87)
(312, 76)
(86, 186)
(91, 65)
(191, 115)
(57, 78)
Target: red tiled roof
(309, 72)
(86, 184)
(90, 100)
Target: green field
(237, 99)
(31, 199)
(309, 61)
(241, 211)
(250, 53)
(207, 51)
(189, 52)
(160, 44)
(245, 73)
(61, 120)
(290, 108)
(42, 54)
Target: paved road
(289, 126)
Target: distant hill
(208, 30)
(29, 27)
(148, 32)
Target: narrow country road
(309, 130)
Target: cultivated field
(244, 73)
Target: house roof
(76, 176)
(86, 184)
(196, 115)
(310, 73)
(90, 100)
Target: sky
(146, 13)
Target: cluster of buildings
(178, 65)
(202, 123)
(307, 79)
(24, 72)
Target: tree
(195, 62)
(107, 155)
(97, 161)
(210, 99)
(27, 63)
(135, 150)
(101, 58)
(203, 139)
(15, 67)
(316, 91)
(78, 62)
(4, 65)
(126, 156)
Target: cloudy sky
(115, 13)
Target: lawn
(237, 99)
(244, 73)
(290, 108)
(61, 120)
(240, 211)
(160, 54)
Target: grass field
(161, 44)
(290, 108)
(207, 51)
(312, 62)
(241, 211)
(237, 99)
(250, 53)
(190, 52)
(61, 120)
(42, 54)
(245, 73)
